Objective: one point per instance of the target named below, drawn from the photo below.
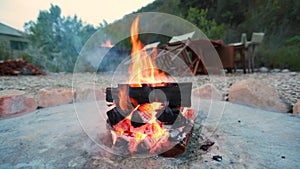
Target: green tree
(209, 27)
(56, 40)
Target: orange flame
(143, 68)
(107, 44)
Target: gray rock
(275, 70)
(263, 69)
(245, 137)
(285, 70)
(293, 73)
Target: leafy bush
(284, 56)
(55, 40)
(209, 27)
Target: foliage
(56, 40)
(209, 27)
(279, 20)
(285, 56)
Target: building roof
(7, 30)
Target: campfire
(150, 114)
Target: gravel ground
(287, 84)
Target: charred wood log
(176, 94)
(168, 116)
(114, 116)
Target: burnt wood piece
(136, 120)
(168, 116)
(176, 94)
(108, 97)
(179, 148)
(114, 116)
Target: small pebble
(217, 158)
(155, 157)
(283, 157)
(209, 143)
(204, 147)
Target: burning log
(173, 94)
(178, 94)
(174, 119)
(171, 143)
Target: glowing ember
(107, 44)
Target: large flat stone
(86, 92)
(48, 97)
(252, 92)
(208, 91)
(14, 102)
(245, 137)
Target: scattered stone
(263, 70)
(254, 93)
(293, 73)
(285, 71)
(296, 108)
(53, 97)
(208, 91)
(15, 102)
(217, 158)
(206, 145)
(89, 92)
(275, 70)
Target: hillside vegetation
(57, 40)
(227, 20)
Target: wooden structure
(256, 39)
(12, 41)
(195, 54)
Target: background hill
(56, 40)
(226, 20)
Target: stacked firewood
(18, 67)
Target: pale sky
(16, 12)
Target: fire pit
(150, 114)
